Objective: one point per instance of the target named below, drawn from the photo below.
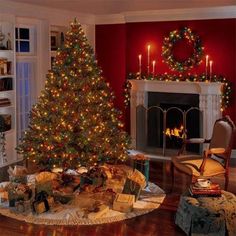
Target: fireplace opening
(180, 125)
(170, 118)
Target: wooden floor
(159, 222)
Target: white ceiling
(100, 7)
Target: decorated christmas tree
(74, 122)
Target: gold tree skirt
(71, 214)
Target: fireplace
(159, 108)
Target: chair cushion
(190, 164)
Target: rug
(68, 214)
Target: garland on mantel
(226, 94)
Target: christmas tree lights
(74, 122)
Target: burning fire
(177, 132)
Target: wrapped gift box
(4, 191)
(43, 202)
(45, 186)
(40, 206)
(123, 202)
(23, 206)
(141, 163)
(132, 187)
(3, 196)
(44, 181)
(17, 192)
(115, 184)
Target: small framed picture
(54, 40)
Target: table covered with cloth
(207, 215)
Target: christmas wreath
(170, 42)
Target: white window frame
(41, 52)
(32, 39)
(26, 57)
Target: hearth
(168, 121)
(160, 110)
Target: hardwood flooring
(159, 222)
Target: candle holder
(139, 77)
(140, 71)
(211, 62)
(153, 68)
(140, 65)
(148, 69)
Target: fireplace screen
(168, 120)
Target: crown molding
(169, 15)
(110, 19)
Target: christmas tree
(74, 122)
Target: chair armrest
(192, 141)
(216, 151)
(195, 140)
(209, 152)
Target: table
(212, 216)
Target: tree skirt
(71, 214)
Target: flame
(177, 132)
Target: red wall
(111, 55)
(118, 46)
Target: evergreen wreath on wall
(169, 44)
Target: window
(26, 65)
(24, 40)
(25, 73)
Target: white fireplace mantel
(209, 99)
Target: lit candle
(140, 63)
(211, 62)
(148, 65)
(207, 57)
(153, 67)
